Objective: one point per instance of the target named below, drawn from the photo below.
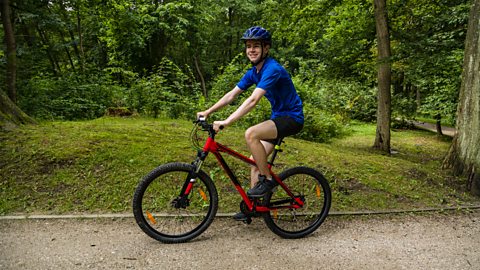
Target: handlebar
(201, 124)
(202, 121)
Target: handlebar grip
(221, 127)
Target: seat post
(276, 149)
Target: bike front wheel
(159, 213)
(313, 189)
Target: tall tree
(464, 154)
(382, 138)
(11, 50)
(9, 112)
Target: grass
(94, 166)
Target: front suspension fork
(182, 200)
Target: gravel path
(428, 241)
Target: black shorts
(286, 126)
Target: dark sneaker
(240, 216)
(261, 188)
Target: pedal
(248, 220)
(240, 218)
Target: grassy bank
(94, 166)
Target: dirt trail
(432, 241)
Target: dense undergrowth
(94, 166)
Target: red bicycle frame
(211, 146)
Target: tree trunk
(66, 18)
(51, 58)
(464, 154)
(11, 50)
(382, 138)
(418, 97)
(438, 124)
(69, 57)
(202, 80)
(230, 37)
(80, 38)
(10, 114)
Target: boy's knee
(250, 134)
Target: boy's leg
(254, 136)
(254, 172)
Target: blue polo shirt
(281, 93)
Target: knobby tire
(314, 189)
(153, 210)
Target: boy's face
(254, 50)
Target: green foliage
(320, 126)
(428, 43)
(229, 77)
(168, 90)
(349, 38)
(68, 98)
(403, 107)
(136, 33)
(338, 34)
(443, 101)
(75, 60)
(344, 99)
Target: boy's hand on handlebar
(202, 115)
(218, 125)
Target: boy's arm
(246, 107)
(224, 101)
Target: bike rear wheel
(160, 215)
(313, 189)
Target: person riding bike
(273, 82)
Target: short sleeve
(269, 79)
(246, 81)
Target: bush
(69, 97)
(167, 91)
(351, 100)
(320, 126)
(403, 107)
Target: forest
(83, 59)
(76, 59)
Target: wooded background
(82, 59)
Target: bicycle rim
(314, 191)
(159, 218)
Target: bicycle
(176, 202)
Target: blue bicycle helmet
(257, 33)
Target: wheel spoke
(165, 216)
(314, 191)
